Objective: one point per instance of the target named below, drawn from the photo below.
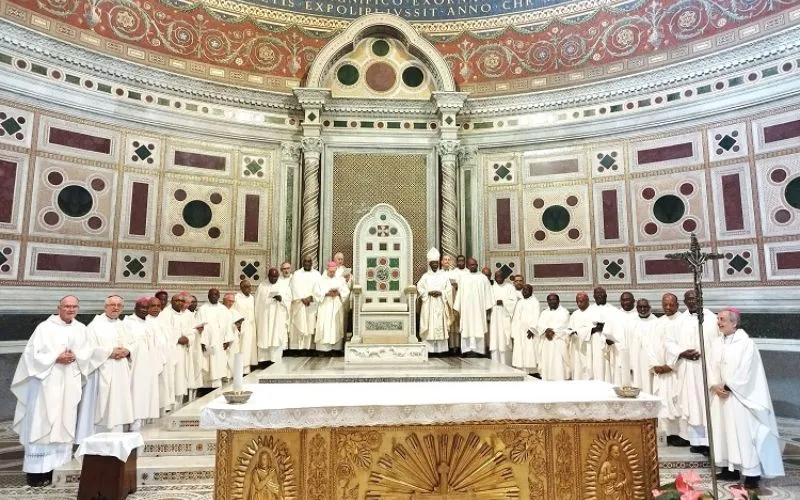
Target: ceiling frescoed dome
(493, 47)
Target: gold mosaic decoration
(361, 181)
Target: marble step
(179, 444)
(165, 470)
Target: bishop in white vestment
(504, 299)
(147, 363)
(435, 293)
(473, 300)
(746, 438)
(217, 337)
(553, 330)
(523, 329)
(47, 385)
(330, 291)
(580, 341)
(273, 301)
(304, 306)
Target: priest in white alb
(330, 291)
(523, 331)
(580, 341)
(504, 299)
(47, 385)
(303, 314)
(473, 300)
(244, 304)
(453, 337)
(746, 441)
(216, 339)
(435, 316)
(604, 316)
(553, 328)
(163, 335)
(146, 364)
(185, 342)
(665, 384)
(106, 404)
(273, 301)
(641, 334)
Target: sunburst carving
(446, 466)
(265, 462)
(614, 469)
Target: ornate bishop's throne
(384, 296)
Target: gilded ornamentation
(528, 445)
(264, 470)
(613, 469)
(564, 470)
(354, 454)
(318, 479)
(222, 464)
(445, 466)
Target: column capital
(290, 151)
(467, 154)
(448, 147)
(312, 145)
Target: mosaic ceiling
(492, 46)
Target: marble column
(448, 156)
(309, 228)
(290, 161)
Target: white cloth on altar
(525, 319)
(217, 331)
(435, 314)
(500, 322)
(580, 344)
(640, 334)
(303, 319)
(146, 365)
(553, 359)
(273, 301)
(744, 425)
(278, 406)
(473, 300)
(245, 306)
(330, 325)
(111, 444)
(48, 394)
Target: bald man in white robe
(604, 316)
(504, 299)
(580, 342)
(473, 301)
(273, 301)
(303, 314)
(665, 384)
(185, 340)
(146, 364)
(553, 330)
(524, 324)
(216, 339)
(244, 304)
(640, 337)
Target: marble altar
(442, 440)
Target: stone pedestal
(381, 354)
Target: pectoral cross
(696, 260)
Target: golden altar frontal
(436, 450)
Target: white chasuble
(500, 321)
(435, 314)
(473, 300)
(330, 324)
(146, 365)
(245, 306)
(217, 331)
(524, 320)
(553, 360)
(303, 318)
(273, 302)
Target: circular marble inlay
(572, 200)
(197, 213)
(180, 194)
(380, 48)
(648, 193)
(782, 216)
(75, 201)
(689, 225)
(538, 203)
(214, 232)
(55, 178)
(687, 188)
(178, 230)
(216, 198)
(792, 193)
(540, 235)
(51, 218)
(651, 228)
(347, 74)
(778, 175)
(98, 184)
(669, 209)
(574, 234)
(381, 77)
(94, 223)
(555, 218)
(413, 76)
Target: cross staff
(696, 260)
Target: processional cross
(696, 260)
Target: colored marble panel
(251, 217)
(198, 160)
(782, 131)
(553, 167)
(665, 266)
(8, 183)
(138, 209)
(69, 263)
(77, 140)
(567, 270)
(732, 202)
(610, 215)
(666, 153)
(193, 269)
(503, 207)
(787, 260)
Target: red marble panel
(654, 267)
(198, 160)
(610, 215)
(194, 269)
(732, 202)
(782, 131)
(251, 217)
(566, 270)
(503, 209)
(65, 262)
(787, 260)
(8, 183)
(78, 140)
(138, 209)
(674, 152)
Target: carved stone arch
(386, 25)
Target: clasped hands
(333, 292)
(660, 370)
(690, 354)
(65, 357)
(119, 353)
(306, 301)
(721, 390)
(435, 294)
(549, 334)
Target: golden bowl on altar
(237, 397)
(627, 391)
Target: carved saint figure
(264, 481)
(614, 479)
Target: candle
(625, 366)
(237, 372)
